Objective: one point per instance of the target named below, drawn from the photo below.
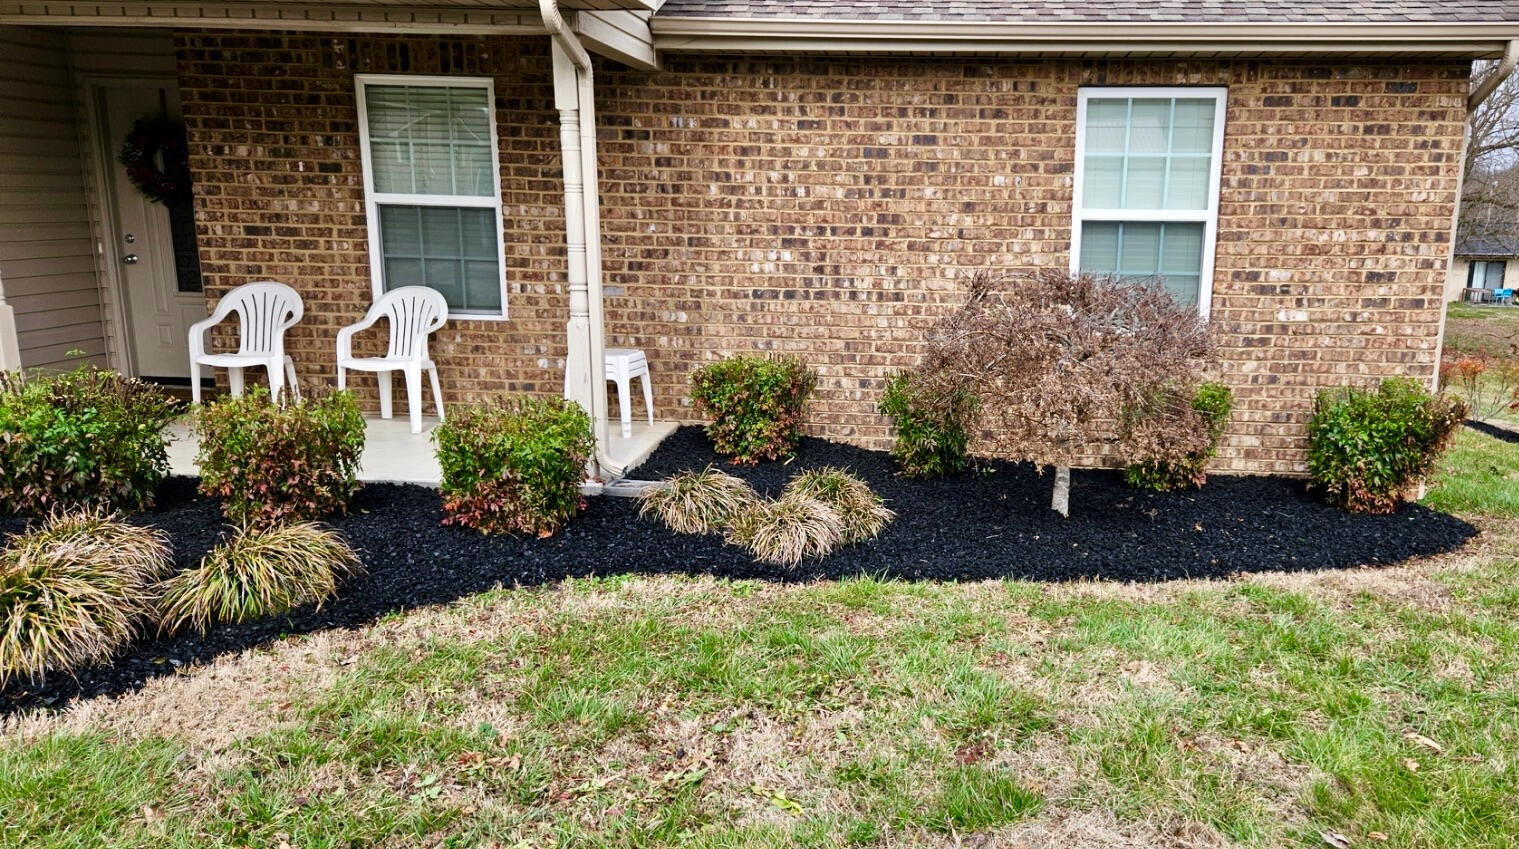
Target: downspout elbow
(553, 21)
(1489, 83)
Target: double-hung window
(1146, 186)
(432, 189)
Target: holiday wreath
(157, 158)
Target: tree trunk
(1060, 502)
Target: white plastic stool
(622, 365)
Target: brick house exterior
(833, 207)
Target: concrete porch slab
(392, 453)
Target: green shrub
(73, 590)
(260, 571)
(1367, 448)
(514, 466)
(933, 434)
(271, 463)
(1213, 402)
(755, 405)
(83, 438)
(788, 529)
(701, 502)
(859, 508)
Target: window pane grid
(448, 249)
(1138, 250)
(430, 139)
(1142, 172)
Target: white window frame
(373, 199)
(1207, 217)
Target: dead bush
(1055, 360)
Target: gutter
(584, 195)
(1476, 40)
(1491, 82)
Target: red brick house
(701, 177)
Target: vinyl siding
(47, 258)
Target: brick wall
(833, 208)
(273, 124)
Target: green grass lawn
(1377, 704)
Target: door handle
(130, 259)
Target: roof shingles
(1105, 11)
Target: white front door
(155, 249)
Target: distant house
(1479, 267)
(699, 177)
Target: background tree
(1490, 190)
(1062, 364)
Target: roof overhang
(817, 35)
(464, 17)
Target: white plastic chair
(621, 366)
(265, 310)
(414, 313)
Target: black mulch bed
(1493, 430)
(990, 523)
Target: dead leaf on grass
(972, 753)
(1420, 739)
(1335, 839)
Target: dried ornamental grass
(258, 572)
(73, 590)
(863, 514)
(785, 531)
(701, 502)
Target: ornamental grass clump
(73, 590)
(1211, 403)
(260, 571)
(932, 427)
(755, 405)
(1368, 448)
(514, 466)
(272, 463)
(860, 510)
(84, 438)
(703, 502)
(788, 529)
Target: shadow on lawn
(990, 523)
(1494, 431)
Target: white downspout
(1493, 80)
(585, 365)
